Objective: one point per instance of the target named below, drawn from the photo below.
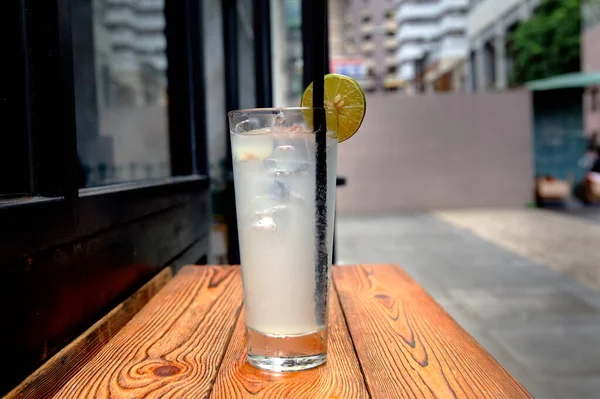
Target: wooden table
(388, 339)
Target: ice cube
(279, 120)
(251, 147)
(273, 219)
(287, 159)
(265, 223)
(278, 191)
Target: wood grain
(46, 380)
(173, 347)
(408, 346)
(340, 377)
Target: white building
(130, 51)
(431, 37)
(123, 133)
(489, 24)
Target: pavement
(524, 283)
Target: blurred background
(476, 168)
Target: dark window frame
(14, 163)
(60, 243)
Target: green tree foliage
(549, 43)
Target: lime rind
(345, 103)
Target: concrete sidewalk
(539, 323)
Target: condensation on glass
(120, 68)
(286, 285)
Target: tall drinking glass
(286, 283)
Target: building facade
(370, 33)
(590, 62)
(489, 24)
(431, 40)
(410, 44)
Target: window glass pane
(286, 36)
(120, 68)
(214, 80)
(246, 54)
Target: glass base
(286, 352)
(283, 364)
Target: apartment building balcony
(390, 26)
(367, 47)
(409, 52)
(417, 31)
(144, 42)
(367, 29)
(143, 5)
(391, 60)
(408, 11)
(453, 23)
(129, 18)
(390, 44)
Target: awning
(567, 81)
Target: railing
(418, 31)
(390, 44)
(130, 18)
(144, 5)
(409, 52)
(366, 29)
(368, 47)
(453, 23)
(390, 26)
(147, 42)
(453, 47)
(432, 30)
(408, 11)
(391, 61)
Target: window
(392, 70)
(368, 37)
(594, 99)
(88, 83)
(120, 72)
(349, 21)
(246, 54)
(349, 47)
(390, 15)
(367, 19)
(390, 34)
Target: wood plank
(46, 380)
(173, 347)
(64, 290)
(340, 377)
(408, 346)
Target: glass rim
(270, 110)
